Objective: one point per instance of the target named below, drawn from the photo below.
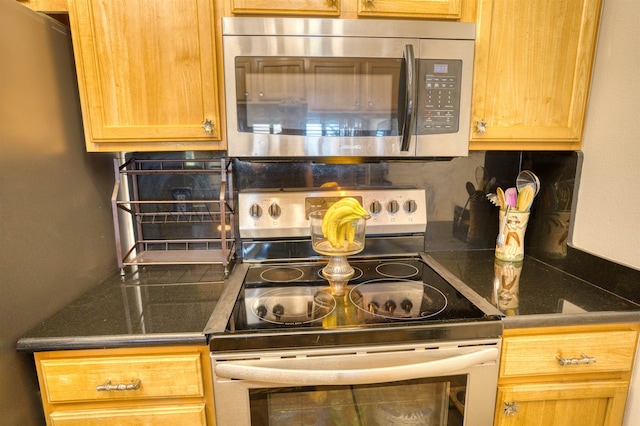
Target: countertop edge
(559, 320)
(41, 344)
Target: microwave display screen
(440, 68)
(318, 96)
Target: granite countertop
(580, 289)
(172, 305)
(152, 306)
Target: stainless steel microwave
(347, 88)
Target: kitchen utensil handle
(283, 376)
(409, 100)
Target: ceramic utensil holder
(514, 230)
(506, 286)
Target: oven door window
(316, 96)
(438, 401)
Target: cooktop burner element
(397, 270)
(282, 274)
(397, 299)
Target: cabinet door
(147, 72)
(593, 403)
(286, 7)
(335, 85)
(278, 79)
(380, 81)
(185, 414)
(532, 72)
(244, 86)
(442, 9)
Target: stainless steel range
(406, 344)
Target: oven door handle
(284, 376)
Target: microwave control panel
(438, 100)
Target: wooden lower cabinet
(159, 386)
(565, 375)
(562, 404)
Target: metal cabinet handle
(107, 386)
(574, 361)
(510, 408)
(481, 126)
(208, 126)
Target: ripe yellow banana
(337, 223)
(332, 220)
(347, 201)
(358, 209)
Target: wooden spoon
(525, 198)
(502, 201)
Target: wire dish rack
(174, 212)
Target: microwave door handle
(284, 376)
(409, 98)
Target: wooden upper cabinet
(286, 7)
(435, 9)
(335, 85)
(278, 79)
(147, 74)
(47, 6)
(532, 73)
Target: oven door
(428, 384)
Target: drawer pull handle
(575, 361)
(107, 386)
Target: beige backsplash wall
(608, 207)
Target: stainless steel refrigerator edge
(56, 234)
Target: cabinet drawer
(169, 415)
(539, 354)
(96, 378)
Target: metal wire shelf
(163, 229)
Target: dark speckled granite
(168, 305)
(548, 292)
(171, 305)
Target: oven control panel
(283, 214)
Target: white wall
(608, 208)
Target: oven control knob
(278, 311)
(275, 211)
(393, 207)
(261, 311)
(406, 306)
(255, 211)
(375, 207)
(389, 307)
(373, 307)
(410, 206)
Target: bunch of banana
(338, 223)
